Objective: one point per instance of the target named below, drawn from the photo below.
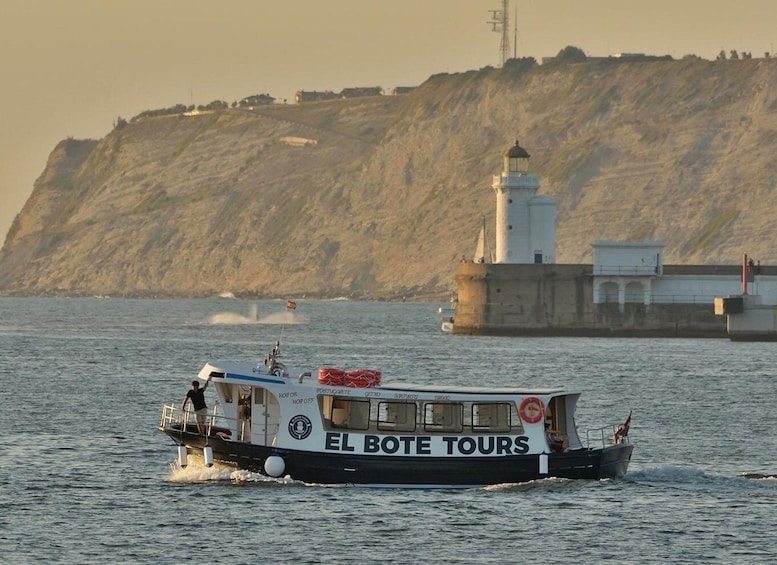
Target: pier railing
(627, 270)
(638, 298)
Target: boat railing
(604, 436)
(173, 418)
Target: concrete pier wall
(557, 300)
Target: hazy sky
(69, 68)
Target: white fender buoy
(182, 456)
(207, 453)
(274, 466)
(543, 463)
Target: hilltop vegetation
(392, 192)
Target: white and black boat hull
(330, 468)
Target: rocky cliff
(380, 197)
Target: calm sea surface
(85, 477)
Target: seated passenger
(558, 442)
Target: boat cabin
(283, 411)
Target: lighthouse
(525, 221)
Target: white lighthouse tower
(525, 222)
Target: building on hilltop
(256, 100)
(619, 58)
(314, 96)
(359, 91)
(355, 92)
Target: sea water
(85, 477)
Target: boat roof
(236, 368)
(470, 389)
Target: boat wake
(284, 318)
(197, 472)
(760, 476)
(230, 318)
(289, 317)
(668, 476)
(551, 484)
(689, 478)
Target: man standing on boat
(197, 396)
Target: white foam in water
(287, 317)
(694, 479)
(230, 318)
(769, 477)
(243, 476)
(197, 472)
(548, 483)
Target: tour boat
(339, 426)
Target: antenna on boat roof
(273, 366)
(290, 307)
(276, 350)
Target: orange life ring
(331, 377)
(362, 378)
(374, 376)
(531, 410)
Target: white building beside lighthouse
(525, 221)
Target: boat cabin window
(417, 417)
(346, 413)
(443, 417)
(396, 416)
(491, 417)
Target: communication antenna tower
(500, 22)
(515, 34)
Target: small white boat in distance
(335, 426)
(447, 315)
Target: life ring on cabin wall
(531, 410)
